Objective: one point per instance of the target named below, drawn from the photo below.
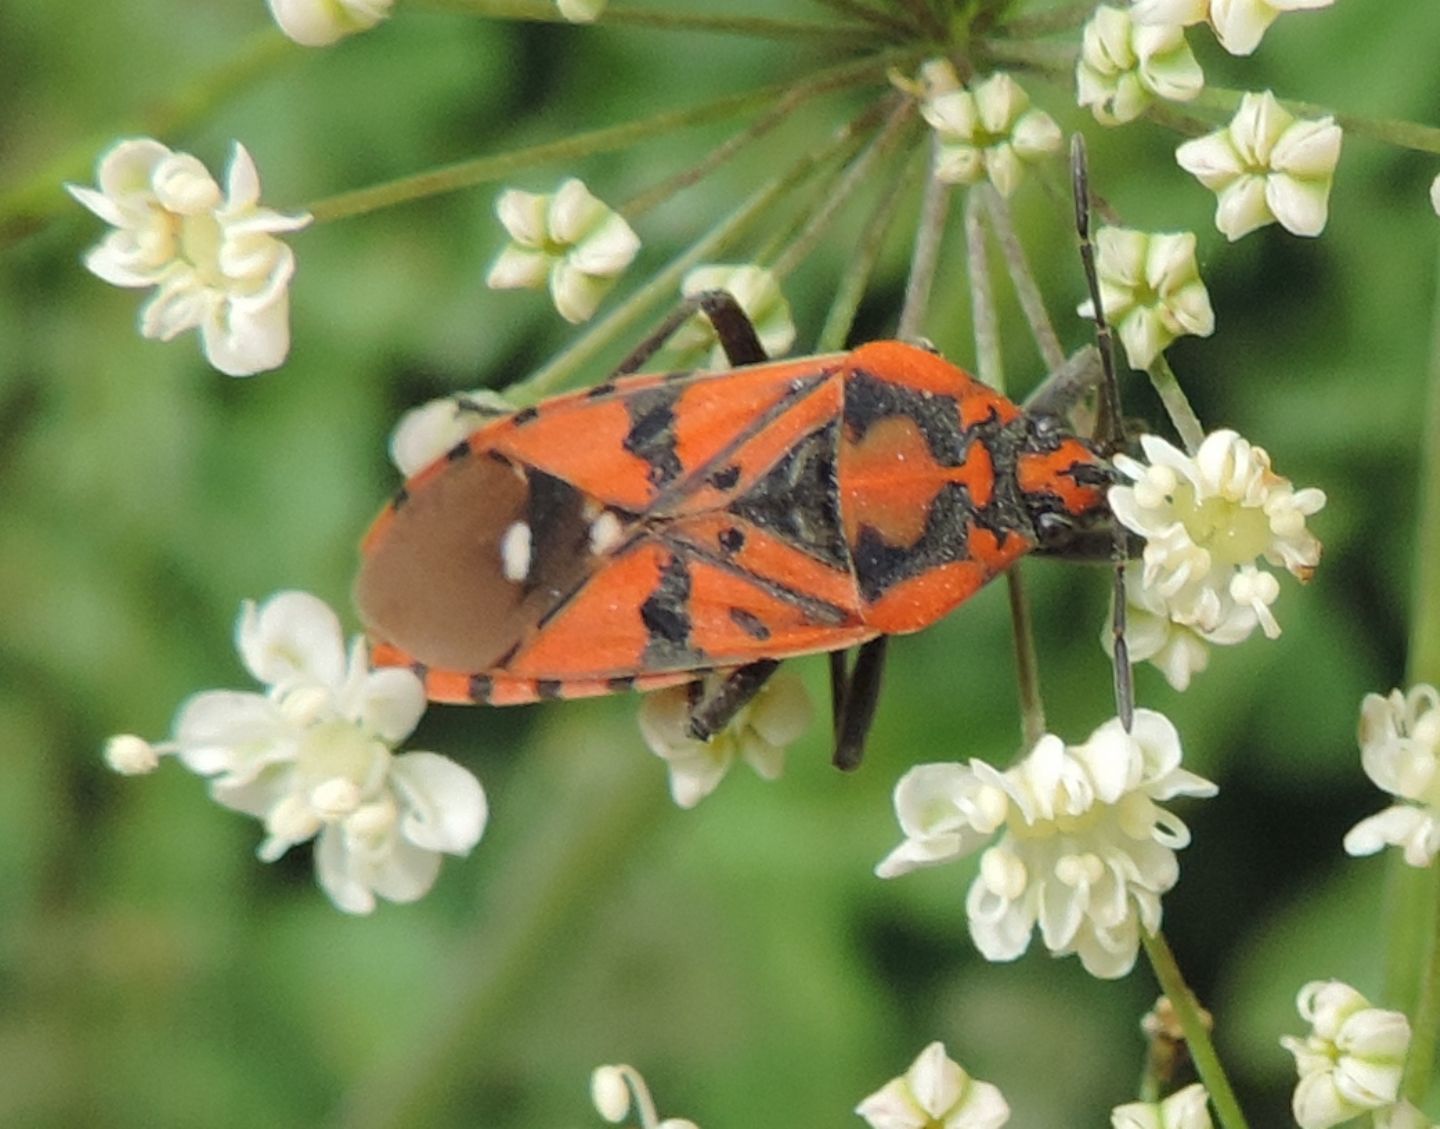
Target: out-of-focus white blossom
(989, 130)
(212, 255)
(1086, 851)
(1400, 751)
(935, 1093)
(581, 11)
(778, 715)
(1238, 24)
(313, 756)
(1352, 1059)
(568, 239)
(1435, 195)
(610, 1090)
(1402, 1115)
(1151, 290)
(1124, 66)
(1184, 1109)
(319, 23)
(427, 432)
(1266, 166)
(757, 292)
(1208, 522)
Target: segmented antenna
(1109, 429)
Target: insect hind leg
(715, 710)
(733, 328)
(853, 699)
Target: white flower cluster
(211, 255)
(990, 130)
(1124, 66)
(1400, 751)
(1352, 1059)
(1208, 521)
(935, 1092)
(569, 239)
(1086, 850)
(1187, 1108)
(778, 715)
(1238, 24)
(313, 756)
(1150, 290)
(319, 23)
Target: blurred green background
(152, 972)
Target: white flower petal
(445, 806)
(292, 638)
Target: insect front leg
(733, 328)
(718, 708)
(853, 699)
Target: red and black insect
(656, 528)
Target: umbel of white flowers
(313, 757)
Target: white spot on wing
(515, 552)
(604, 533)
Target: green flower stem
(483, 170)
(1067, 18)
(1407, 135)
(923, 16)
(1051, 60)
(666, 282)
(860, 173)
(616, 15)
(990, 367)
(997, 211)
(882, 21)
(856, 275)
(1413, 918)
(594, 811)
(27, 207)
(1197, 1031)
(1177, 407)
(926, 257)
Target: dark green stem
(616, 15)
(1197, 1030)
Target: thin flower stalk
(881, 21)
(1176, 404)
(1197, 1030)
(997, 211)
(925, 259)
(1407, 135)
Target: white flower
(779, 714)
(758, 293)
(425, 433)
(1352, 1059)
(581, 11)
(610, 1089)
(1177, 649)
(212, 256)
(130, 755)
(1184, 1109)
(313, 756)
(1266, 166)
(1238, 24)
(570, 239)
(1435, 195)
(989, 130)
(1123, 66)
(1400, 751)
(1401, 1115)
(1207, 522)
(935, 1093)
(1151, 290)
(319, 23)
(1086, 851)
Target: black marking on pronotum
(479, 687)
(620, 683)
(600, 390)
(666, 616)
(652, 432)
(549, 689)
(726, 478)
(879, 565)
(868, 399)
(799, 498)
(524, 416)
(750, 623)
(732, 539)
(461, 450)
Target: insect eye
(1054, 529)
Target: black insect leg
(1109, 429)
(854, 699)
(733, 328)
(715, 710)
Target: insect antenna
(1109, 428)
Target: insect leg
(733, 328)
(1110, 429)
(1062, 389)
(857, 706)
(715, 710)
